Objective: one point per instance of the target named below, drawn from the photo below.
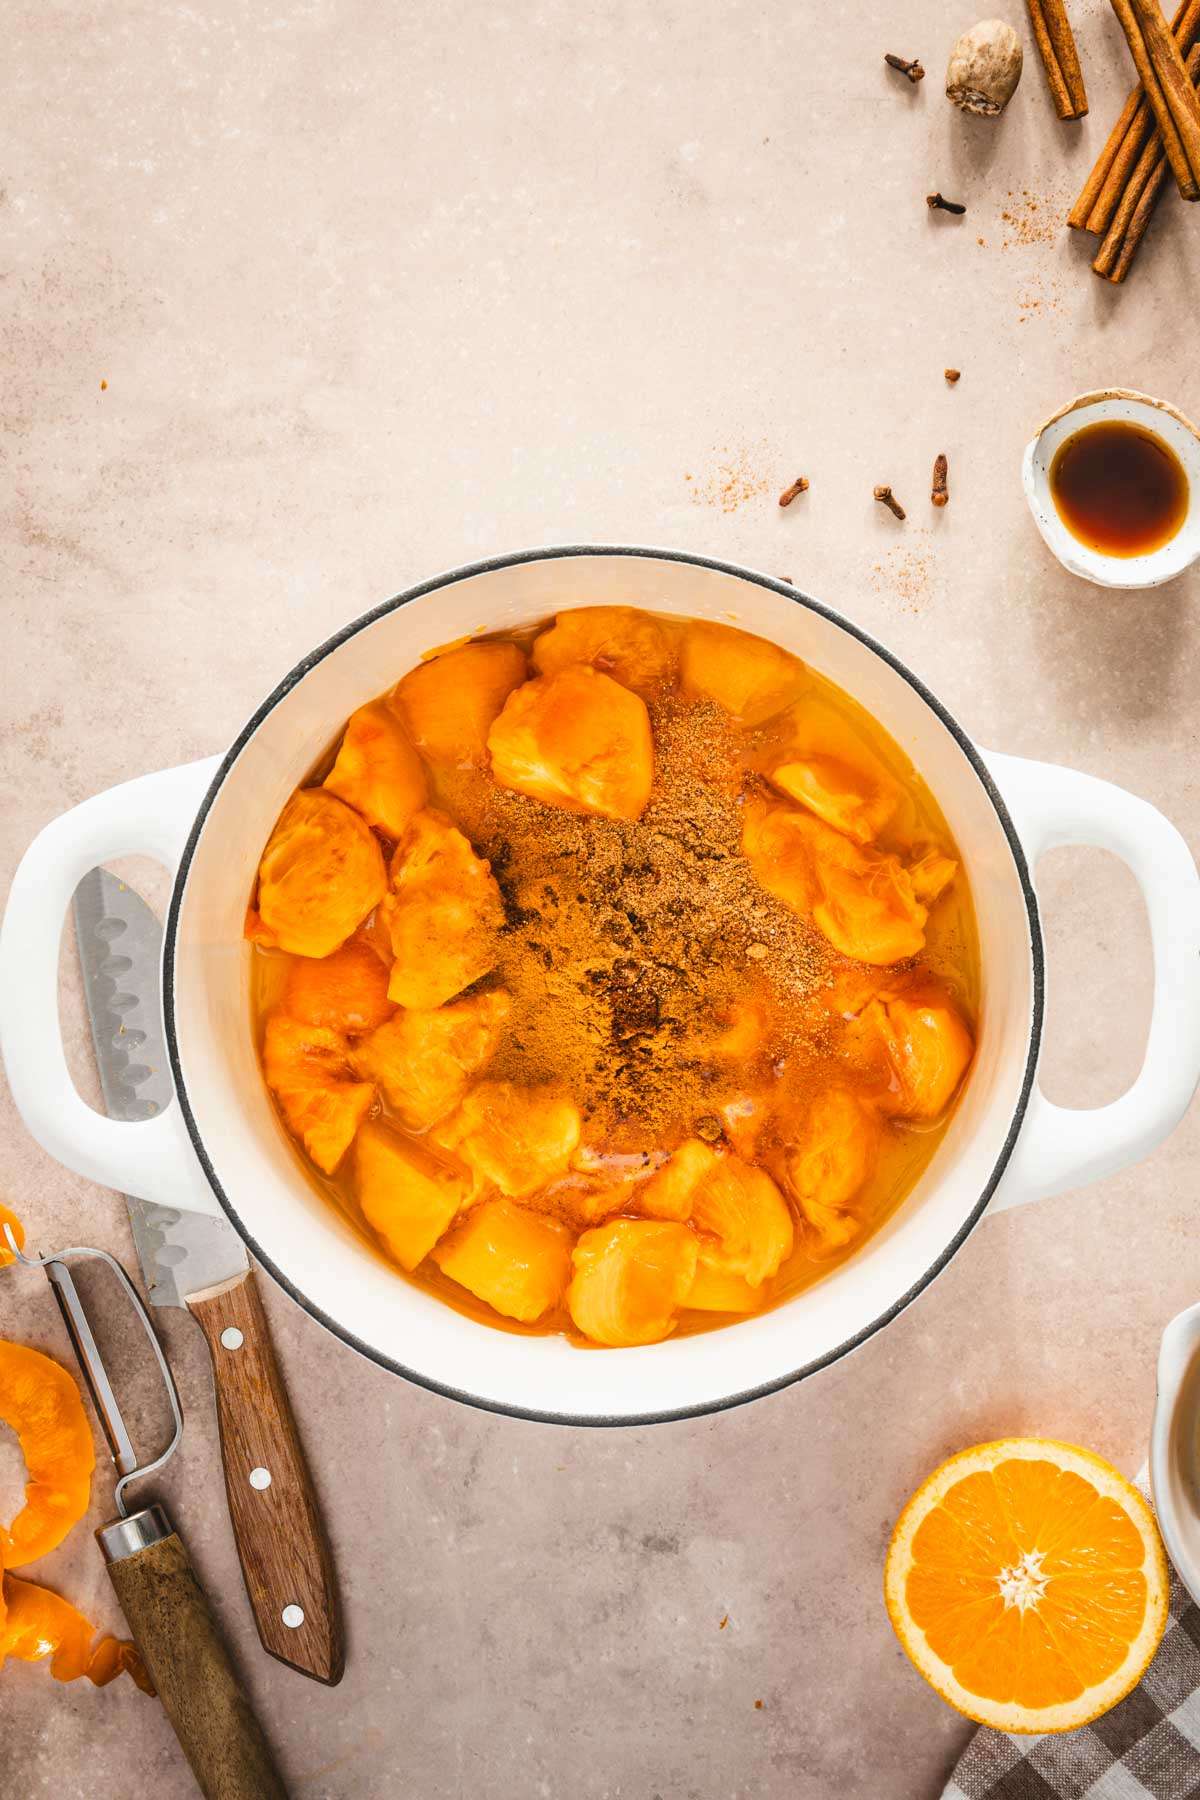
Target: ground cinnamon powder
(627, 943)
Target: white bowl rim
(1133, 574)
(789, 592)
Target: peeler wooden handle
(187, 1659)
(281, 1540)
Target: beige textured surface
(376, 291)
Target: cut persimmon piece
(41, 1404)
(631, 1278)
(448, 703)
(859, 898)
(931, 874)
(831, 1163)
(1026, 1581)
(670, 1193)
(716, 1290)
(423, 1060)
(442, 914)
(620, 641)
(377, 771)
(927, 1043)
(828, 767)
(308, 1069)
(346, 991)
(36, 1623)
(748, 677)
(741, 1210)
(517, 1138)
(577, 740)
(321, 874)
(407, 1195)
(519, 1262)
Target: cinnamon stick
(1115, 256)
(1157, 60)
(1056, 46)
(1136, 124)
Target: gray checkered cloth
(1147, 1748)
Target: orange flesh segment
(321, 874)
(748, 677)
(620, 641)
(631, 1277)
(423, 1060)
(859, 898)
(309, 1071)
(831, 1163)
(442, 914)
(377, 771)
(407, 1196)
(448, 703)
(346, 991)
(928, 1046)
(577, 740)
(518, 1261)
(741, 1211)
(516, 1138)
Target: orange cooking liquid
(633, 947)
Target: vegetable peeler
(165, 1606)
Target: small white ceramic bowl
(1093, 565)
(1175, 1446)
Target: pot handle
(152, 1158)
(1066, 1147)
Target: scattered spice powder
(906, 571)
(103, 385)
(758, 1706)
(734, 480)
(1031, 218)
(627, 940)
(724, 1623)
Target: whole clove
(912, 69)
(799, 486)
(941, 469)
(936, 203)
(886, 498)
(952, 375)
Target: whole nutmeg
(985, 67)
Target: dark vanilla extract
(1119, 488)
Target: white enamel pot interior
(212, 820)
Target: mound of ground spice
(628, 942)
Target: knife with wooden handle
(198, 1262)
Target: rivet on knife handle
(285, 1555)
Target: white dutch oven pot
(222, 1145)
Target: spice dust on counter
(906, 571)
(735, 480)
(1030, 218)
(629, 941)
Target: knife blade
(120, 950)
(199, 1263)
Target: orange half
(1027, 1581)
